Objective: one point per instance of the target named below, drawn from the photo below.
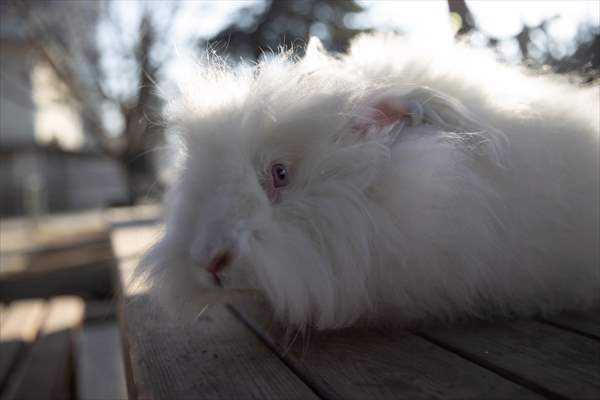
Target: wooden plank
(19, 325)
(100, 311)
(89, 281)
(550, 360)
(361, 363)
(54, 232)
(77, 255)
(147, 214)
(124, 296)
(47, 371)
(134, 241)
(100, 369)
(585, 323)
(214, 357)
(12, 263)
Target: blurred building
(48, 161)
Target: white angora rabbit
(398, 182)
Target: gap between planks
(192, 357)
(315, 386)
(585, 324)
(505, 373)
(271, 346)
(369, 363)
(46, 366)
(20, 323)
(552, 361)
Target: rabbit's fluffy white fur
(424, 182)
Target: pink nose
(217, 263)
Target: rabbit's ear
(390, 113)
(385, 117)
(315, 47)
(316, 56)
(384, 112)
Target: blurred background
(84, 156)
(81, 81)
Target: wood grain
(585, 323)
(554, 361)
(239, 352)
(213, 357)
(381, 363)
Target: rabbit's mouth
(217, 264)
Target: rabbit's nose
(217, 263)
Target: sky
(500, 18)
(496, 18)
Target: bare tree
(140, 110)
(460, 8)
(64, 33)
(288, 24)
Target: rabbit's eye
(280, 176)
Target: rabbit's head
(281, 185)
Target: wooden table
(238, 353)
(58, 335)
(36, 348)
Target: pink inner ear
(386, 113)
(382, 114)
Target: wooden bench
(59, 338)
(239, 353)
(61, 348)
(69, 254)
(36, 347)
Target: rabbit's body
(413, 187)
